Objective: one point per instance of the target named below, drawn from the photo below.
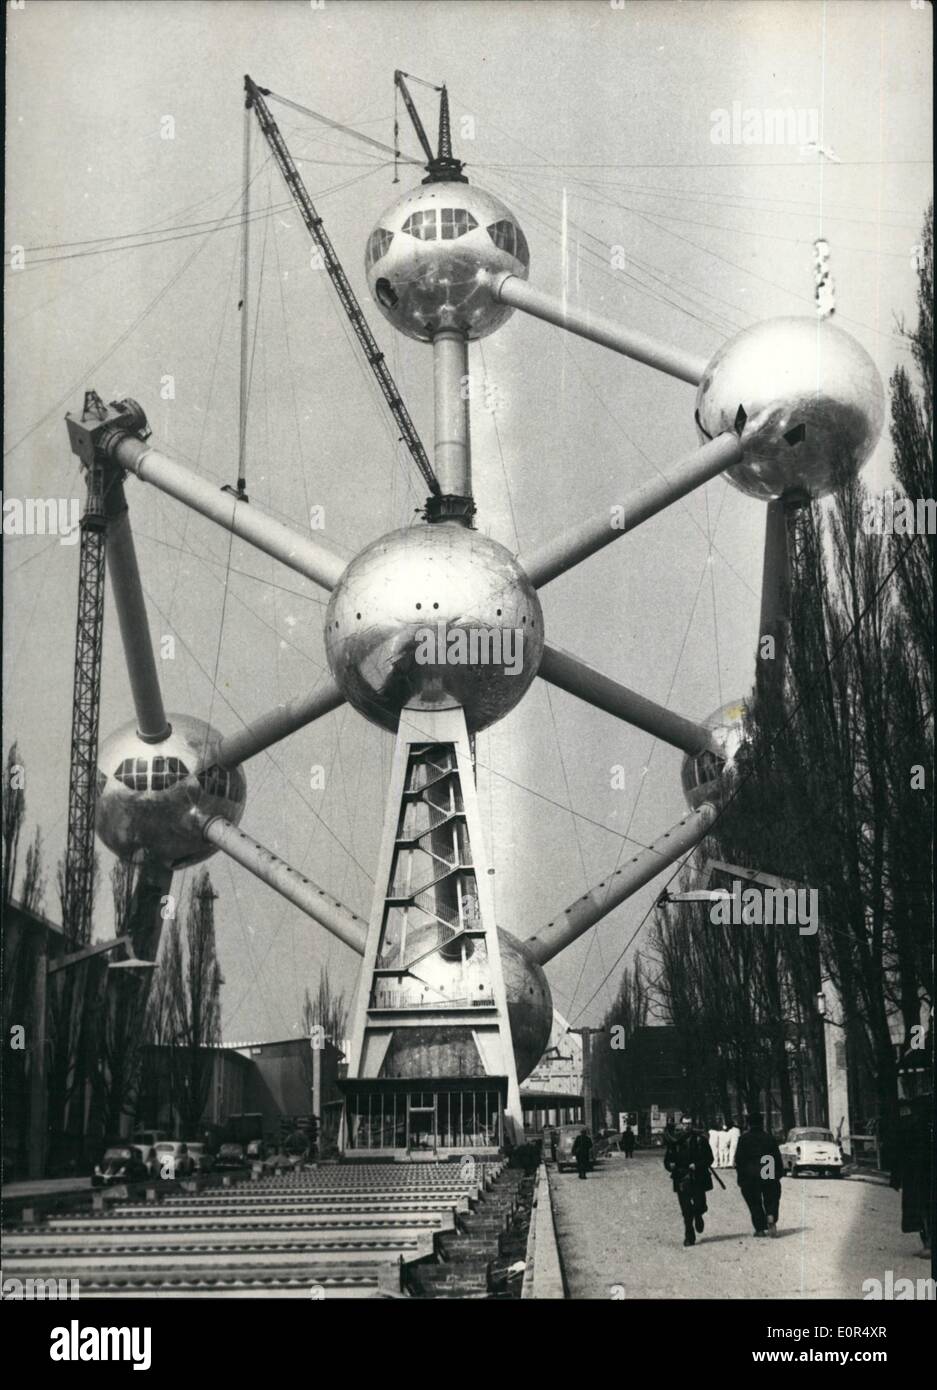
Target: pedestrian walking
(582, 1151)
(714, 1145)
(688, 1159)
(759, 1168)
(732, 1142)
(722, 1146)
(627, 1142)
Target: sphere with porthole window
(433, 255)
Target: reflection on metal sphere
(149, 797)
(704, 775)
(806, 399)
(439, 1052)
(413, 603)
(429, 258)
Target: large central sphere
(430, 258)
(805, 399)
(434, 616)
(151, 798)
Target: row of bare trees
(836, 795)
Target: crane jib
(349, 302)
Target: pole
(297, 552)
(577, 678)
(577, 543)
(452, 456)
(127, 590)
(586, 1035)
(586, 911)
(277, 724)
(245, 323)
(510, 289)
(293, 886)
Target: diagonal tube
(568, 549)
(576, 677)
(298, 552)
(586, 911)
(295, 887)
(276, 724)
(124, 572)
(510, 289)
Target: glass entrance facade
(424, 1121)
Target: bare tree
(194, 986)
(14, 809)
(33, 890)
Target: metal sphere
(150, 799)
(806, 400)
(429, 258)
(704, 775)
(437, 1052)
(393, 625)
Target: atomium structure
(449, 1002)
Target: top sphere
(151, 799)
(806, 400)
(431, 254)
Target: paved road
(622, 1227)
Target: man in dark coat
(582, 1151)
(688, 1159)
(759, 1169)
(627, 1142)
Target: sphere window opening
(134, 774)
(217, 781)
(507, 236)
(456, 222)
(378, 243)
(422, 225)
(166, 772)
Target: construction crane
(412, 112)
(86, 695)
(375, 358)
(441, 167)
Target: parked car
(121, 1163)
(173, 1159)
(201, 1159)
(564, 1147)
(812, 1151)
(231, 1156)
(148, 1137)
(256, 1151)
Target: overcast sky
(611, 108)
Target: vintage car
(173, 1159)
(230, 1156)
(201, 1159)
(123, 1163)
(565, 1158)
(811, 1151)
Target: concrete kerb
(543, 1277)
